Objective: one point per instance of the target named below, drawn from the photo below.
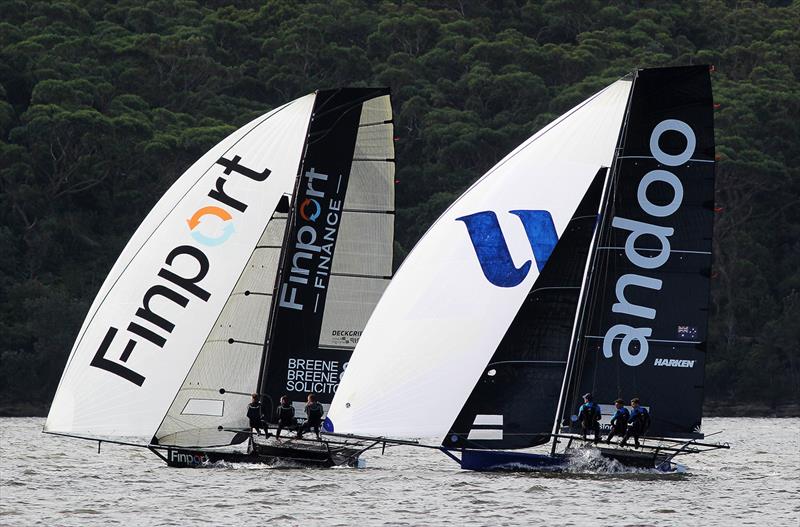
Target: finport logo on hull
(191, 459)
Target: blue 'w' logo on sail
(492, 250)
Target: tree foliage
(104, 104)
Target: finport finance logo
(306, 205)
(149, 325)
(218, 212)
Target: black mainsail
(308, 343)
(643, 332)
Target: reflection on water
(58, 481)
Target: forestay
(451, 302)
(164, 294)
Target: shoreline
(710, 409)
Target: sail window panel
(371, 186)
(375, 142)
(376, 110)
(211, 407)
(348, 306)
(243, 319)
(364, 245)
(260, 272)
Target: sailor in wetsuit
(589, 417)
(255, 415)
(314, 412)
(638, 423)
(619, 422)
(285, 416)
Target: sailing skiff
(579, 263)
(254, 273)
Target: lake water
(48, 480)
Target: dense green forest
(104, 104)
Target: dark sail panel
(295, 363)
(644, 330)
(514, 403)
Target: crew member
(255, 415)
(638, 424)
(314, 412)
(619, 421)
(285, 416)
(589, 417)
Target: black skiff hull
(500, 461)
(263, 454)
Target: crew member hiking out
(619, 421)
(638, 424)
(255, 415)
(589, 417)
(285, 416)
(314, 412)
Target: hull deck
(285, 452)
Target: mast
(334, 261)
(643, 326)
(290, 221)
(603, 211)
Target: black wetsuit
(589, 417)
(314, 413)
(619, 423)
(637, 426)
(255, 416)
(285, 418)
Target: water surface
(49, 480)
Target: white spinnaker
(94, 402)
(440, 320)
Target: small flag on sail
(687, 332)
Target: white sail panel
(371, 186)
(364, 248)
(376, 110)
(441, 318)
(351, 302)
(372, 141)
(365, 244)
(172, 280)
